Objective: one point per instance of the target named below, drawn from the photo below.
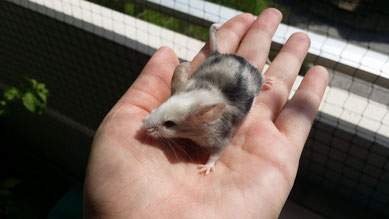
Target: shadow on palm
(175, 150)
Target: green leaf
(11, 94)
(43, 92)
(129, 8)
(31, 93)
(43, 97)
(39, 90)
(41, 87)
(33, 82)
(30, 102)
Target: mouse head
(185, 115)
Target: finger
(152, 86)
(282, 73)
(256, 44)
(229, 36)
(296, 119)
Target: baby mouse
(208, 106)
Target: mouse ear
(208, 113)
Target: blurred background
(64, 63)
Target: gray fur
(235, 79)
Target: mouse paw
(267, 84)
(205, 169)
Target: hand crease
(166, 84)
(282, 169)
(140, 105)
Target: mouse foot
(205, 169)
(267, 85)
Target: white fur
(178, 107)
(252, 87)
(212, 37)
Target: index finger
(256, 44)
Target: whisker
(152, 133)
(170, 147)
(181, 149)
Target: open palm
(133, 176)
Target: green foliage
(153, 16)
(135, 8)
(175, 24)
(252, 6)
(31, 94)
(129, 8)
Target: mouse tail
(212, 37)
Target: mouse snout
(152, 130)
(147, 124)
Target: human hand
(132, 176)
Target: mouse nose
(152, 130)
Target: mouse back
(237, 80)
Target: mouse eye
(169, 124)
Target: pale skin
(131, 176)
